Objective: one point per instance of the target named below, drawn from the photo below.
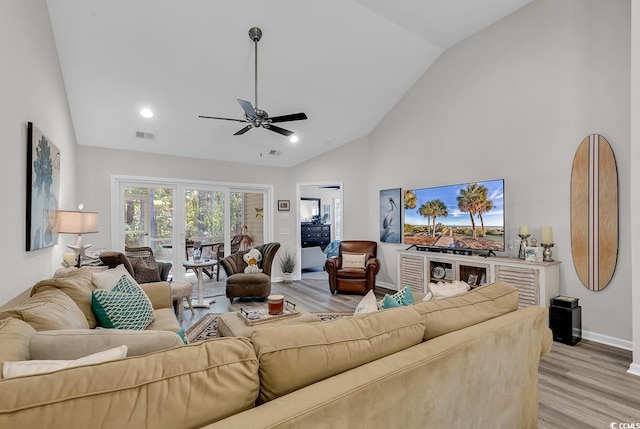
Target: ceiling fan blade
(224, 119)
(287, 118)
(244, 130)
(248, 109)
(278, 130)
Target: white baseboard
(387, 285)
(605, 339)
(634, 369)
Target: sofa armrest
(76, 343)
(159, 293)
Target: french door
(169, 216)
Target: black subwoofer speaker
(566, 324)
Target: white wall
(97, 165)
(32, 90)
(514, 102)
(635, 180)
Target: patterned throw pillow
(126, 306)
(354, 260)
(145, 270)
(402, 297)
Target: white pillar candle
(69, 258)
(547, 235)
(524, 230)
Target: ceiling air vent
(143, 135)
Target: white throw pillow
(427, 297)
(446, 289)
(353, 260)
(30, 367)
(368, 304)
(108, 279)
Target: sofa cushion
(75, 343)
(189, 386)
(48, 310)
(15, 336)
(78, 285)
(297, 355)
(124, 307)
(107, 279)
(30, 367)
(451, 314)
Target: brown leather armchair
(354, 280)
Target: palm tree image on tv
(468, 216)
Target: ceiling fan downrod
(255, 34)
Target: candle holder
(523, 244)
(546, 253)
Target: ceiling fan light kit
(254, 116)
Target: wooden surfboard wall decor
(594, 212)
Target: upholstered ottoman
(180, 291)
(248, 285)
(232, 325)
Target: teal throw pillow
(389, 302)
(182, 334)
(402, 297)
(126, 306)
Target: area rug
(208, 292)
(207, 327)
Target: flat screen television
(466, 217)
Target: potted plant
(288, 265)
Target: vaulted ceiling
(345, 63)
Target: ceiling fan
(254, 116)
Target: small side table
(198, 267)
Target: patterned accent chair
(241, 284)
(352, 279)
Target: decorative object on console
(77, 222)
(594, 212)
(43, 189)
(523, 234)
(533, 254)
(390, 216)
(547, 243)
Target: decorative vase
(286, 278)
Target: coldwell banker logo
(618, 425)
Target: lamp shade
(77, 222)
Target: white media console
(537, 282)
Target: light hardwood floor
(581, 387)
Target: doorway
(319, 222)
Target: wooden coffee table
(232, 325)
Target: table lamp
(77, 222)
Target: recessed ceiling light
(146, 113)
(294, 139)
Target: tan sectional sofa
(58, 311)
(466, 361)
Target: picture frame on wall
(284, 205)
(390, 215)
(43, 190)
